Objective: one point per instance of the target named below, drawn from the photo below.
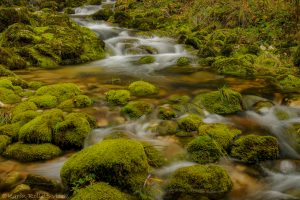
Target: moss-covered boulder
(190, 123)
(101, 191)
(5, 72)
(166, 113)
(112, 161)
(199, 181)
(23, 118)
(39, 130)
(183, 61)
(204, 149)
(167, 127)
(31, 152)
(11, 15)
(136, 109)
(8, 96)
(62, 91)
(72, 132)
(44, 101)
(11, 130)
(290, 84)
(154, 156)
(24, 106)
(43, 183)
(221, 133)
(82, 101)
(118, 97)
(223, 101)
(254, 148)
(4, 142)
(146, 60)
(142, 88)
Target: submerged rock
(43, 183)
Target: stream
(271, 180)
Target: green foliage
(290, 84)
(183, 61)
(223, 101)
(253, 148)
(210, 181)
(11, 15)
(154, 156)
(118, 97)
(6, 72)
(136, 109)
(111, 161)
(82, 182)
(142, 88)
(31, 152)
(204, 149)
(4, 142)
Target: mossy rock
(8, 96)
(154, 157)
(167, 127)
(62, 91)
(224, 101)
(43, 183)
(24, 106)
(253, 148)
(39, 130)
(32, 152)
(82, 101)
(6, 83)
(146, 60)
(175, 99)
(190, 123)
(11, 59)
(44, 101)
(101, 191)
(34, 85)
(290, 84)
(148, 49)
(166, 113)
(183, 61)
(24, 117)
(204, 149)
(200, 181)
(111, 161)
(11, 130)
(11, 15)
(221, 133)
(103, 14)
(136, 109)
(6, 72)
(72, 132)
(4, 142)
(118, 97)
(142, 88)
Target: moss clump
(111, 161)
(183, 61)
(253, 148)
(221, 133)
(290, 84)
(190, 123)
(297, 57)
(35, 85)
(82, 101)
(210, 181)
(4, 142)
(142, 88)
(39, 130)
(11, 15)
(24, 106)
(118, 97)
(204, 150)
(103, 14)
(101, 191)
(6, 83)
(154, 157)
(5, 72)
(166, 113)
(224, 101)
(62, 91)
(10, 130)
(8, 96)
(71, 132)
(136, 109)
(44, 101)
(146, 60)
(32, 152)
(24, 117)
(167, 127)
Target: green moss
(204, 149)
(290, 84)
(44, 101)
(166, 113)
(103, 14)
(296, 58)
(142, 88)
(62, 91)
(24, 106)
(210, 181)
(10, 130)
(11, 15)
(167, 127)
(110, 160)
(35, 85)
(6, 72)
(31, 152)
(67, 105)
(183, 61)
(4, 142)
(253, 148)
(117, 134)
(71, 132)
(190, 123)
(82, 101)
(224, 101)
(6, 83)
(154, 157)
(69, 11)
(221, 133)
(148, 49)
(118, 97)
(179, 99)
(39, 130)
(24, 117)
(8, 96)
(146, 60)
(136, 109)
(101, 191)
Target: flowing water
(276, 180)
